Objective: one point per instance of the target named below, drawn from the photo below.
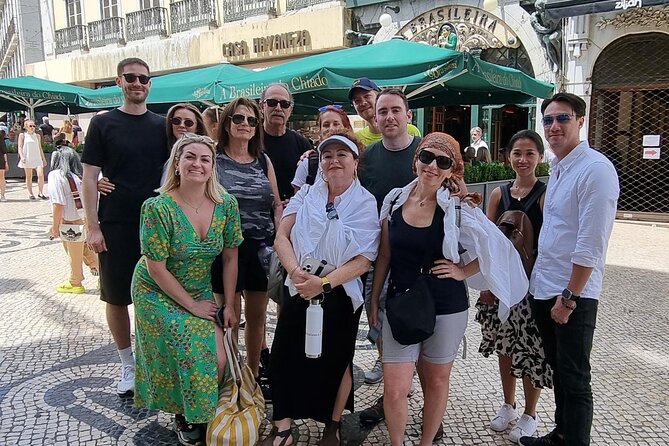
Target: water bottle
(313, 340)
(265, 255)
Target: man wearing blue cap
(363, 95)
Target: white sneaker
(126, 386)
(2, 198)
(376, 374)
(525, 427)
(505, 415)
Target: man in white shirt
(579, 210)
(478, 150)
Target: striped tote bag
(241, 406)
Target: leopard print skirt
(517, 338)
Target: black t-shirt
(410, 247)
(131, 151)
(285, 151)
(47, 131)
(383, 170)
(534, 213)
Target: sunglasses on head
(131, 78)
(238, 119)
(443, 162)
(561, 118)
(329, 106)
(187, 122)
(274, 102)
(331, 212)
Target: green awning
(196, 86)
(32, 93)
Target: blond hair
(214, 191)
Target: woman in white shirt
(32, 157)
(68, 215)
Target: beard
(133, 98)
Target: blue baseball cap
(364, 84)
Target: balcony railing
(107, 31)
(145, 23)
(242, 9)
(72, 38)
(298, 4)
(8, 43)
(189, 14)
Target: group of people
(381, 209)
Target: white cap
(339, 140)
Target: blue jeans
(567, 349)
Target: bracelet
(571, 307)
(290, 274)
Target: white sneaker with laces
(505, 415)
(376, 374)
(126, 386)
(525, 427)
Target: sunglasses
(443, 162)
(330, 106)
(131, 78)
(561, 118)
(274, 102)
(187, 122)
(331, 212)
(238, 119)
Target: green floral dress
(176, 364)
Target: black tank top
(534, 213)
(408, 248)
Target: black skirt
(303, 387)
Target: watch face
(567, 294)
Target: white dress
(32, 152)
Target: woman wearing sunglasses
(31, 157)
(423, 227)
(330, 119)
(247, 173)
(334, 220)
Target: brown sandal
(269, 440)
(330, 434)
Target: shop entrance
(630, 100)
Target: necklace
(521, 193)
(197, 209)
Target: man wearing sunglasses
(283, 146)
(363, 94)
(128, 146)
(566, 282)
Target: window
(109, 8)
(74, 16)
(146, 4)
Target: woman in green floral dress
(179, 348)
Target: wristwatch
(567, 294)
(327, 286)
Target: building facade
(91, 36)
(21, 39)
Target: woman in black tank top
(517, 341)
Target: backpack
(313, 168)
(517, 226)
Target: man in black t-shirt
(128, 146)
(47, 130)
(283, 146)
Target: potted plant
(485, 177)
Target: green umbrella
(429, 74)
(31, 93)
(198, 85)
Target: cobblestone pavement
(58, 365)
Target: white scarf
(356, 231)
(501, 270)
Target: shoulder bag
(73, 232)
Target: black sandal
(269, 440)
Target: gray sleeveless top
(250, 186)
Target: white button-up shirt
(579, 210)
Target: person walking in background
(478, 150)
(426, 230)
(4, 164)
(517, 341)
(566, 283)
(363, 95)
(68, 130)
(68, 222)
(128, 146)
(47, 130)
(32, 157)
(247, 173)
(283, 146)
(334, 220)
(178, 342)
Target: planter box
(16, 172)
